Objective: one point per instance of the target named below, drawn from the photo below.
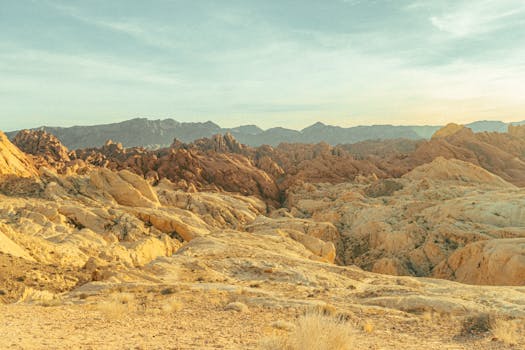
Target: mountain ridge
(161, 132)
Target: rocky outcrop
(219, 143)
(42, 144)
(448, 130)
(497, 261)
(435, 212)
(517, 131)
(124, 187)
(13, 161)
(499, 153)
(441, 169)
(209, 167)
(319, 238)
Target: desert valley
(211, 243)
(262, 175)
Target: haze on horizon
(271, 63)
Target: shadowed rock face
(43, 144)
(210, 167)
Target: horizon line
(274, 127)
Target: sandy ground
(200, 321)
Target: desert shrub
(476, 324)
(236, 306)
(506, 331)
(313, 331)
(324, 309)
(283, 325)
(117, 306)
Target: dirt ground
(197, 319)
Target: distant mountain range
(158, 133)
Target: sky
(272, 63)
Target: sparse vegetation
(117, 306)
(476, 324)
(368, 326)
(50, 302)
(172, 305)
(506, 331)
(325, 309)
(283, 325)
(313, 331)
(236, 306)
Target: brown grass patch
(506, 331)
(313, 331)
(117, 306)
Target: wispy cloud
(29, 62)
(154, 35)
(468, 18)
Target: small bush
(313, 331)
(476, 324)
(324, 309)
(117, 306)
(112, 309)
(236, 306)
(506, 331)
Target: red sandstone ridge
(205, 165)
(46, 148)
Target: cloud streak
(148, 33)
(470, 18)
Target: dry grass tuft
(368, 326)
(112, 310)
(324, 309)
(117, 306)
(236, 306)
(506, 331)
(313, 331)
(283, 325)
(172, 305)
(274, 343)
(51, 302)
(124, 298)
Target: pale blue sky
(268, 62)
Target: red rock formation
(46, 148)
(205, 165)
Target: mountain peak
(317, 125)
